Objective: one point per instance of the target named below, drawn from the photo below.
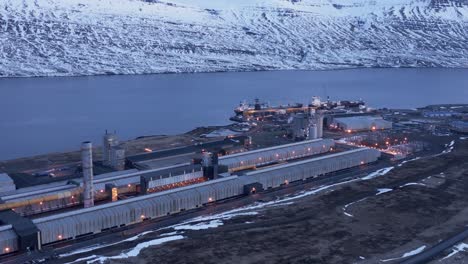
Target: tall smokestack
(87, 164)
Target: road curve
(432, 252)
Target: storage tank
(312, 131)
(319, 123)
(299, 126)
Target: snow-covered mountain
(83, 37)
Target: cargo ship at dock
(245, 107)
(245, 111)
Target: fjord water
(41, 115)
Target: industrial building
(300, 123)
(6, 183)
(459, 127)
(360, 123)
(133, 196)
(169, 157)
(59, 195)
(262, 157)
(438, 114)
(113, 155)
(308, 126)
(283, 174)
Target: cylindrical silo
(313, 131)
(87, 164)
(319, 123)
(299, 126)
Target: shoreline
(231, 71)
(136, 145)
(63, 158)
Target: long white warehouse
(262, 157)
(278, 175)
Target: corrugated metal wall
(279, 153)
(276, 176)
(175, 179)
(8, 240)
(95, 219)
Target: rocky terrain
(87, 37)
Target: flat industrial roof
(271, 148)
(21, 225)
(186, 149)
(5, 179)
(130, 200)
(167, 161)
(292, 164)
(38, 192)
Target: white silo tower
(319, 123)
(312, 131)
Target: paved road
(434, 251)
(119, 234)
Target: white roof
(5, 179)
(271, 148)
(294, 164)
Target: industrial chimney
(87, 164)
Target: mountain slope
(85, 37)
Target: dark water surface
(40, 115)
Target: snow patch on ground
(449, 148)
(360, 200)
(171, 233)
(378, 173)
(221, 133)
(383, 190)
(348, 214)
(349, 204)
(456, 249)
(200, 226)
(92, 257)
(412, 183)
(83, 250)
(414, 252)
(91, 248)
(406, 161)
(137, 249)
(407, 254)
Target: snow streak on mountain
(86, 37)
